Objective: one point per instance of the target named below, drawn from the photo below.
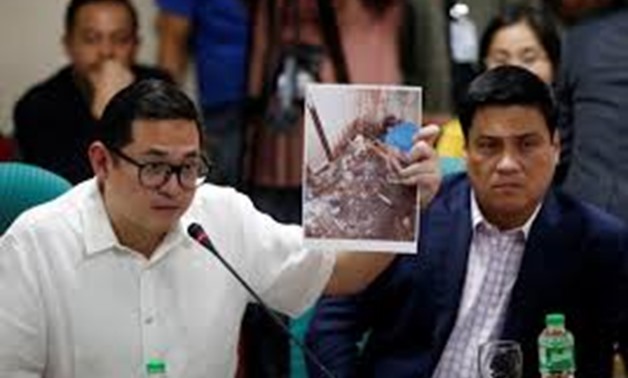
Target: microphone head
(196, 231)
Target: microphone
(197, 233)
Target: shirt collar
(478, 218)
(99, 235)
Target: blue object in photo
(400, 136)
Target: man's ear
(138, 42)
(100, 160)
(557, 146)
(136, 48)
(65, 42)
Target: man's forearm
(354, 271)
(173, 45)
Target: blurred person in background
(593, 94)
(358, 42)
(519, 35)
(570, 12)
(55, 119)
(215, 35)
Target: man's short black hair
(504, 86)
(144, 100)
(75, 5)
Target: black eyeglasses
(190, 174)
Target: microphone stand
(198, 234)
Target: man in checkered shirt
(499, 249)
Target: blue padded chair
(23, 186)
(298, 327)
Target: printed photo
(356, 138)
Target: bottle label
(556, 357)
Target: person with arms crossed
(499, 249)
(104, 279)
(55, 119)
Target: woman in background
(521, 36)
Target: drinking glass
(500, 359)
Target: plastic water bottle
(156, 368)
(463, 34)
(556, 349)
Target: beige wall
(30, 33)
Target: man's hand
(420, 166)
(107, 79)
(174, 33)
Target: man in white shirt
(104, 279)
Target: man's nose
(106, 49)
(508, 162)
(171, 186)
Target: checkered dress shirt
(494, 261)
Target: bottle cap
(155, 366)
(556, 320)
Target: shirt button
(149, 320)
